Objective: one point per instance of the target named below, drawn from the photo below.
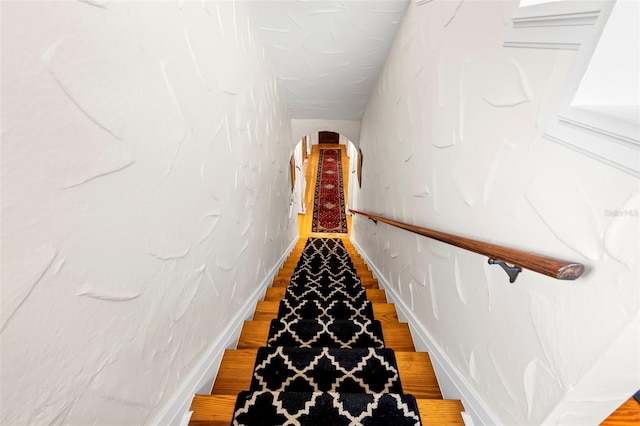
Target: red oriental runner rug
(328, 204)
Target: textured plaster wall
(145, 195)
(452, 139)
(327, 54)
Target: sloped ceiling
(327, 55)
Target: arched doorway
(310, 146)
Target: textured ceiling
(327, 54)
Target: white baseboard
(201, 378)
(452, 382)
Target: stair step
(352, 333)
(214, 410)
(417, 375)
(289, 269)
(235, 371)
(397, 336)
(283, 281)
(415, 369)
(359, 370)
(353, 255)
(442, 412)
(353, 258)
(319, 309)
(278, 293)
(268, 310)
(369, 282)
(279, 281)
(347, 246)
(627, 414)
(335, 292)
(313, 408)
(364, 276)
(293, 261)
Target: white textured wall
(145, 194)
(452, 139)
(327, 54)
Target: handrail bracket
(373, 220)
(512, 271)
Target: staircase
(400, 380)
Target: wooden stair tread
(298, 252)
(353, 255)
(212, 410)
(268, 310)
(218, 410)
(397, 336)
(288, 272)
(277, 294)
(440, 412)
(283, 281)
(235, 372)
(627, 414)
(416, 373)
(289, 266)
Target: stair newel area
(325, 347)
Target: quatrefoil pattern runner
(350, 294)
(363, 370)
(325, 263)
(325, 310)
(320, 408)
(325, 362)
(311, 333)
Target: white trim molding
(609, 139)
(599, 131)
(602, 126)
(553, 25)
(453, 383)
(201, 378)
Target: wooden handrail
(555, 268)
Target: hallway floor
(310, 170)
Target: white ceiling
(327, 54)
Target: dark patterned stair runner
(351, 294)
(322, 408)
(325, 361)
(361, 370)
(325, 310)
(333, 334)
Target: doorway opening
(309, 148)
(328, 138)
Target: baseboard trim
(201, 378)
(452, 382)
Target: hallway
(311, 173)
